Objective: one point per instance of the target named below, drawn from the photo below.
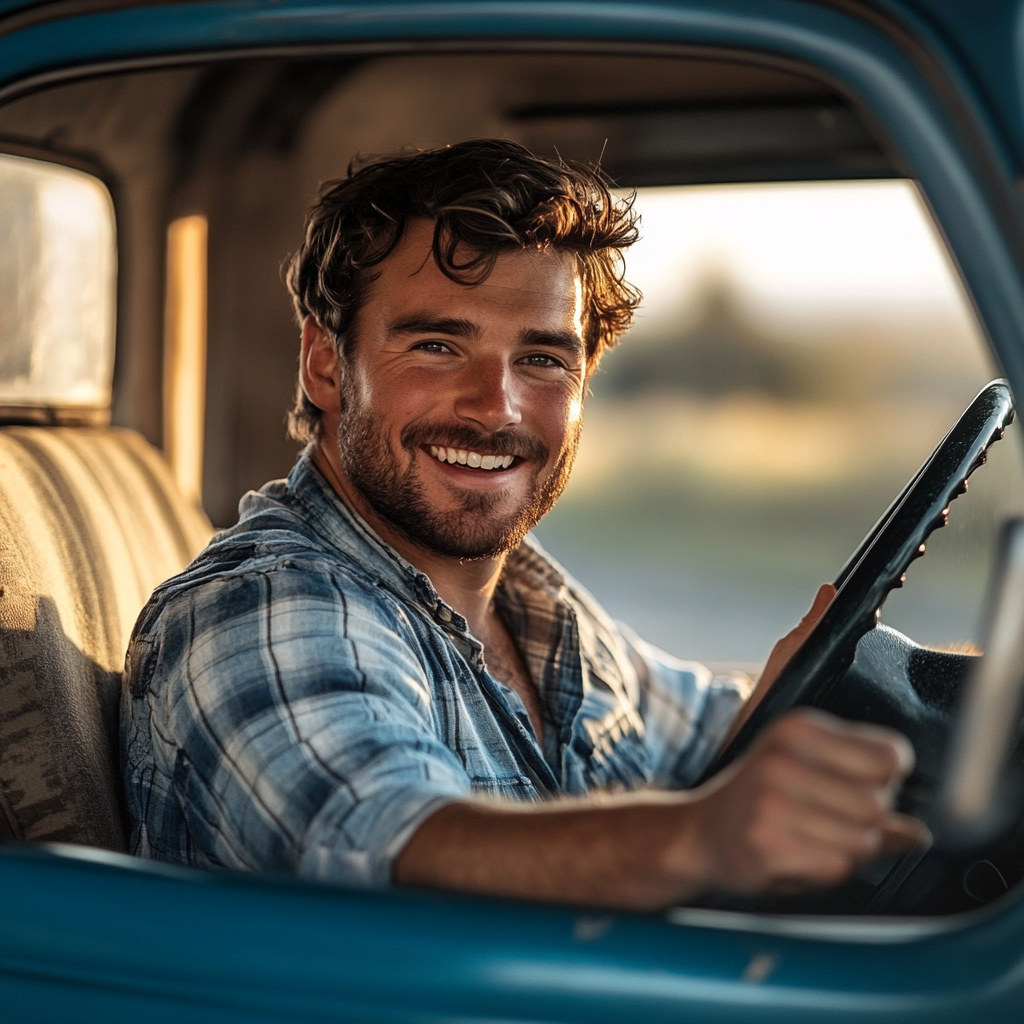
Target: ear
(320, 367)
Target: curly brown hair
(485, 197)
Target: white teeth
(472, 459)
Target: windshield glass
(801, 348)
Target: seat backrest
(90, 523)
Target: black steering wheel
(878, 565)
(855, 668)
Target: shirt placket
(499, 698)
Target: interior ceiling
(247, 142)
(649, 120)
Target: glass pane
(800, 350)
(57, 285)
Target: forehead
(524, 284)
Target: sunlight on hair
(577, 317)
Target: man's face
(461, 406)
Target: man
(376, 678)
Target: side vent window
(58, 268)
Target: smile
(471, 460)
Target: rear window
(57, 286)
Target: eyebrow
(424, 323)
(567, 341)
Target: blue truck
(178, 107)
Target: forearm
(805, 806)
(635, 852)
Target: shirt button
(443, 614)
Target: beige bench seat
(90, 523)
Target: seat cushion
(90, 523)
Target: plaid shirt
(300, 698)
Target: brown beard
(474, 529)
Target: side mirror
(979, 793)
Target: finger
(790, 841)
(798, 634)
(867, 753)
(825, 792)
(825, 832)
(901, 833)
(822, 599)
(796, 860)
(785, 648)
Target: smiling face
(461, 405)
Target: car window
(57, 286)
(800, 350)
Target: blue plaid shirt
(300, 699)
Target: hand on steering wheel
(782, 654)
(809, 803)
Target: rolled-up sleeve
(686, 708)
(293, 730)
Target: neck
(467, 586)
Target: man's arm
(809, 803)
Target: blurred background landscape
(800, 351)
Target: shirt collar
(531, 594)
(339, 527)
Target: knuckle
(871, 842)
(863, 843)
(774, 768)
(867, 804)
(787, 728)
(762, 834)
(833, 868)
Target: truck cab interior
(184, 184)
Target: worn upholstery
(90, 523)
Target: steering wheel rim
(878, 565)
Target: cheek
(558, 418)
(398, 398)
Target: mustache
(460, 435)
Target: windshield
(801, 348)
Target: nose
(487, 397)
